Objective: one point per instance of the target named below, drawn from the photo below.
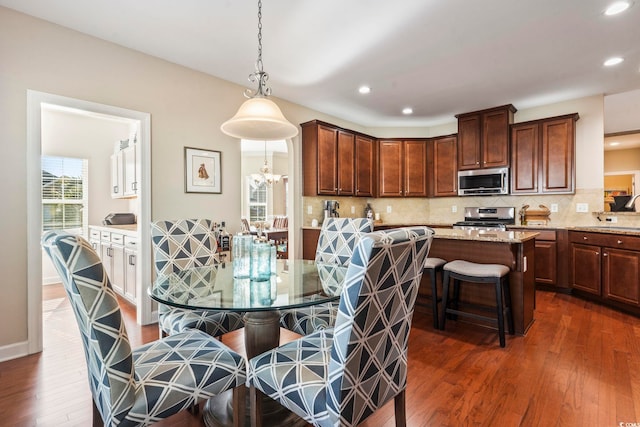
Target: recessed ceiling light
(613, 61)
(407, 110)
(613, 144)
(617, 7)
(364, 89)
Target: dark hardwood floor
(579, 365)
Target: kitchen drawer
(545, 235)
(105, 235)
(94, 234)
(117, 238)
(620, 241)
(131, 242)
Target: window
(64, 194)
(257, 200)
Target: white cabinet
(123, 173)
(118, 253)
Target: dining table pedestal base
(261, 333)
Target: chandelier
(265, 177)
(259, 117)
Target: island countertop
(509, 236)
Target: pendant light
(265, 176)
(259, 117)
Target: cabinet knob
(584, 238)
(619, 242)
(605, 254)
(597, 253)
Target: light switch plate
(309, 210)
(554, 207)
(454, 209)
(353, 209)
(582, 207)
(389, 209)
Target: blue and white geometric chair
(179, 245)
(341, 375)
(338, 238)
(149, 383)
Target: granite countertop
(485, 236)
(608, 229)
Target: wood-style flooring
(579, 365)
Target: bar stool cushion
(434, 263)
(467, 268)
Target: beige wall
(622, 160)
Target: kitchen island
(515, 249)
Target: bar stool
(478, 273)
(433, 266)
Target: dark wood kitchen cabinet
(543, 156)
(483, 138)
(365, 166)
(402, 168)
(442, 164)
(551, 246)
(607, 267)
(335, 161)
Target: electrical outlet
(309, 210)
(454, 209)
(353, 209)
(554, 207)
(389, 209)
(582, 207)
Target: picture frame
(202, 171)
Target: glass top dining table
(296, 283)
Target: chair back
(368, 365)
(181, 244)
(338, 239)
(244, 225)
(104, 337)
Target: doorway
(35, 103)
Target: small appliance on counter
(119, 219)
(331, 209)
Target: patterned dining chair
(338, 238)
(133, 387)
(339, 376)
(179, 245)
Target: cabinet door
(495, 139)
(116, 175)
(442, 164)
(415, 169)
(524, 158)
(310, 239)
(131, 272)
(558, 152)
(390, 179)
(545, 259)
(327, 160)
(129, 182)
(345, 158)
(585, 268)
(469, 142)
(365, 166)
(118, 268)
(621, 275)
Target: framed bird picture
(202, 170)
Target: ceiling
(440, 58)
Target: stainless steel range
(480, 218)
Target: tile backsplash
(439, 210)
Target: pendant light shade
(259, 118)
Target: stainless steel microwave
(483, 182)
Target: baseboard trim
(14, 351)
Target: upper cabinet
(441, 162)
(543, 155)
(483, 138)
(123, 173)
(336, 161)
(402, 168)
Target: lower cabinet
(310, 237)
(607, 267)
(550, 258)
(118, 253)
